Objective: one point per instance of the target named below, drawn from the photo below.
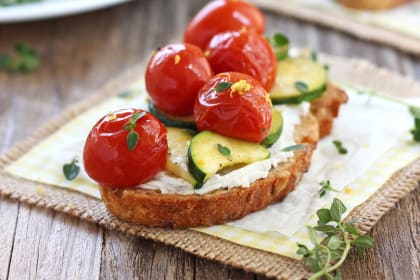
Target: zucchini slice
(298, 79)
(169, 120)
(275, 130)
(210, 153)
(178, 141)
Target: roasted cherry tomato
(220, 16)
(174, 76)
(235, 105)
(244, 52)
(114, 157)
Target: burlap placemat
(365, 31)
(200, 244)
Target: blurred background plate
(51, 8)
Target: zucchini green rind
(210, 153)
(178, 141)
(169, 120)
(298, 79)
(275, 130)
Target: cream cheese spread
(245, 175)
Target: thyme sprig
(326, 257)
(26, 60)
(133, 136)
(325, 186)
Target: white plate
(51, 8)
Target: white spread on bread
(245, 175)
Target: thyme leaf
(223, 150)
(280, 44)
(340, 148)
(71, 170)
(292, 148)
(222, 86)
(301, 86)
(415, 112)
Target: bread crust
(326, 108)
(151, 208)
(372, 4)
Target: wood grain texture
(79, 53)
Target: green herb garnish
(26, 60)
(71, 170)
(132, 140)
(222, 86)
(301, 86)
(133, 136)
(326, 186)
(223, 150)
(326, 257)
(340, 148)
(125, 94)
(280, 44)
(326, 67)
(314, 56)
(15, 2)
(415, 112)
(292, 148)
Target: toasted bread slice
(325, 109)
(372, 4)
(152, 208)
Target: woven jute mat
(362, 30)
(209, 247)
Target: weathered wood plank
(118, 262)
(207, 270)
(48, 245)
(127, 257)
(171, 263)
(9, 211)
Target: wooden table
(79, 53)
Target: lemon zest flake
(240, 87)
(347, 190)
(177, 59)
(112, 116)
(40, 190)
(267, 98)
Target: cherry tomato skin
(220, 16)
(106, 156)
(244, 52)
(174, 76)
(245, 115)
